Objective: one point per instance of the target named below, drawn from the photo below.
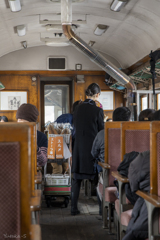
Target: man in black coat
(139, 179)
(119, 114)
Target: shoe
(76, 212)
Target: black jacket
(98, 147)
(88, 121)
(139, 178)
(124, 165)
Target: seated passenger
(4, 119)
(146, 115)
(119, 114)
(29, 113)
(139, 179)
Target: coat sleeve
(42, 144)
(100, 120)
(95, 147)
(133, 173)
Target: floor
(57, 223)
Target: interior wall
(22, 80)
(36, 58)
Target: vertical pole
(66, 12)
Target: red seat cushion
(125, 217)
(110, 194)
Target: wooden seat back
(112, 147)
(135, 136)
(15, 140)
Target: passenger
(139, 179)
(140, 167)
(88, 121)
(156, 116)
(119, 114)
(65, 118)
(29, 113)
(98, 104)
(4, 119)
(146, 115)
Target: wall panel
(21, 80)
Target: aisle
(57, 223)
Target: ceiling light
(118, 4)
(58, 42)
(54, 27)
(15, 5)
(21, 30)
(91, 43)
(100, 29)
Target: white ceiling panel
(133, 32)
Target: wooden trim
(104, 165)
(43, 83)
(107, 126)
(120, 177)
(153, 199)
(38, 178)
(16, 132)
(131, 126)
(52, 73)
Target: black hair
(4, 118)
(75, 104)
(121, 114)
(146, 115)
(156, 116)
(93, 89)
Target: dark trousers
(76, 184)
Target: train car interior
(68, 68)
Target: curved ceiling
(132, 34)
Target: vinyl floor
(58, 224)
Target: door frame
(59, 82)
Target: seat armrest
(151, 198)
(119, 177)
(35, 232)
(104, 165)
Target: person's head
(93, 91)
(121, 114)
(4, 119)
(75, 104)
(146, 115)
(156, 116)
(27, 113)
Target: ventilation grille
(56, 63)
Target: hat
(27, 112)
